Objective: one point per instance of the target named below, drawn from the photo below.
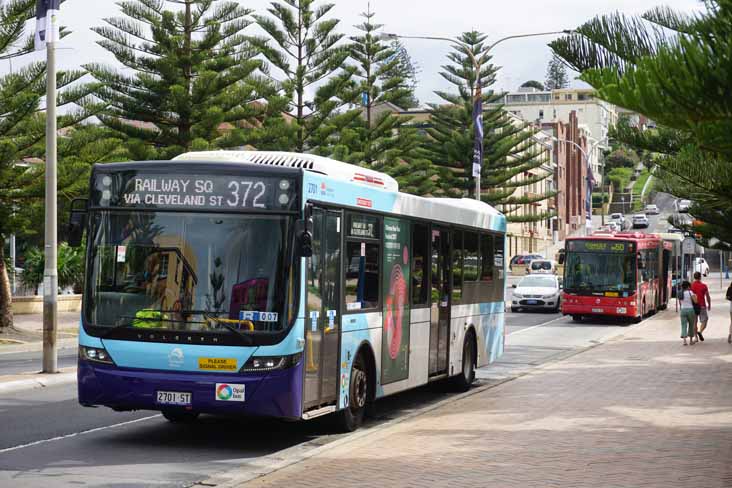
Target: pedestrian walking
(704, 303)
(687, 300)
(729, 297)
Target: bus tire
(465, 378)
(179, 416)
(351, 417)
(577, 318)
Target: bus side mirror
(305, 233)
(560, 258)
(77, 221)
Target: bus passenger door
(440, 311)
(323, 319)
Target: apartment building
(595, 116)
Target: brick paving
(638, 411)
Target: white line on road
(67, 436)
(538, 325)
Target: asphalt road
(47, 439)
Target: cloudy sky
(520, 59)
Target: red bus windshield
(598, 272)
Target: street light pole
(478, 94)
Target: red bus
(623, 275)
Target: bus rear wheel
(180, 416)
(577, 318)
(466, 377)
(352, 416)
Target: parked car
(523, 260)
(652, 209)
(619, 219)
(683, 205)
(536, 292)
(700, 265)
(640, 221)
(542, 266)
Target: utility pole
(50, 273)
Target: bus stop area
(636, 410)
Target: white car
(618, 219)
(700, 265)
(683, 205)
(541, 266)
(536, 292)
(614, 227)
(640, 220)
(652, 209)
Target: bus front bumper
(272, 394)
(600, 309)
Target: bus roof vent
(310, 162)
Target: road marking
(67, 436)
(538, 325)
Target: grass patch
(640, 182)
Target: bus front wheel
(351, 417)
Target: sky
(520, 59)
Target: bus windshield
(587, 272)
(190, 272)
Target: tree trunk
(6, 311)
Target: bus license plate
(173, 398)
(597, 310)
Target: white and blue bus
(279, 284)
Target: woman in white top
(687, 300)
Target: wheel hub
(359, 388)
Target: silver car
(536, 292)
(640, 220)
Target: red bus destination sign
(601, 246)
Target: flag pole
(50, 273)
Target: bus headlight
(270, 363)
(95, 354)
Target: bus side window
(420, 265)
(457, 267)
(500, 279)
(487, 268)
(471, 269)
(362, 275)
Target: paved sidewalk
(638, 411)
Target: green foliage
(622, 157)
(70, 267)
(302, 44)
(556, 74)
(620, 178)
(597, 199)
(23, 130)
(641, 182)
(190, 69)
(510, 149)
(675, 69)
(533, 84)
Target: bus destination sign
(210, 192)
(600, 246)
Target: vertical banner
(478, 143)
(47, 27)
(395, 290)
